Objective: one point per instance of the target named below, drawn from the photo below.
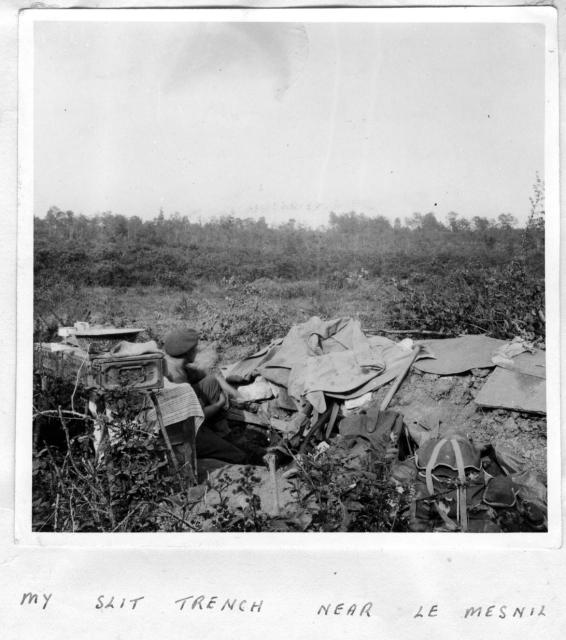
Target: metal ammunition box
(129, 372)
(107, 371)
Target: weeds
(352, 492)
(76, 488)
(326, 495)
(243, 320)
(125, 484)
(222, 516)
(503, 302)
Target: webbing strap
(462, 494)
(462, 509)
(431, 463)
(459, 459)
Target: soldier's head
(181, 343)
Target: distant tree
(481, 224)
(53, 214)
(430, 223)
(533, 236)
(456, 223)
(135, 224)
(54, 219)
(118, 227)
(380, 224)
(415, 221)
(453, 221)
(506, 221)
(537, 212)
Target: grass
(213, 308)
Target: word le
(110, 604)
(326, 609)
(432, 612)
(232, 605)
(33, 598)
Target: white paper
(284, 585)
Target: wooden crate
(67, 364)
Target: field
(241, 284)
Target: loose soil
(427, 400)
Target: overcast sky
(288, 120)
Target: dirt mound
(447, 403)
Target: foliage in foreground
(131, 487)
(331, 492)
(76, 490)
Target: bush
(504, 302)
(354, 495)
(244, 320)
(327, 495)
(76, 490)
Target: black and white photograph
(291, 271)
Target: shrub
(244, 320)
(76, 490)
(503, 302)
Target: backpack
(454, 491)
(449, 488)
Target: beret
(180, 341)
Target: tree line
(114, 250)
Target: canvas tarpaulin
(246, 370)
(513, 390)
(533, 364)
(450, 356)
(327, 357)
(396, 357)
(320, 356)
(334, 358)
